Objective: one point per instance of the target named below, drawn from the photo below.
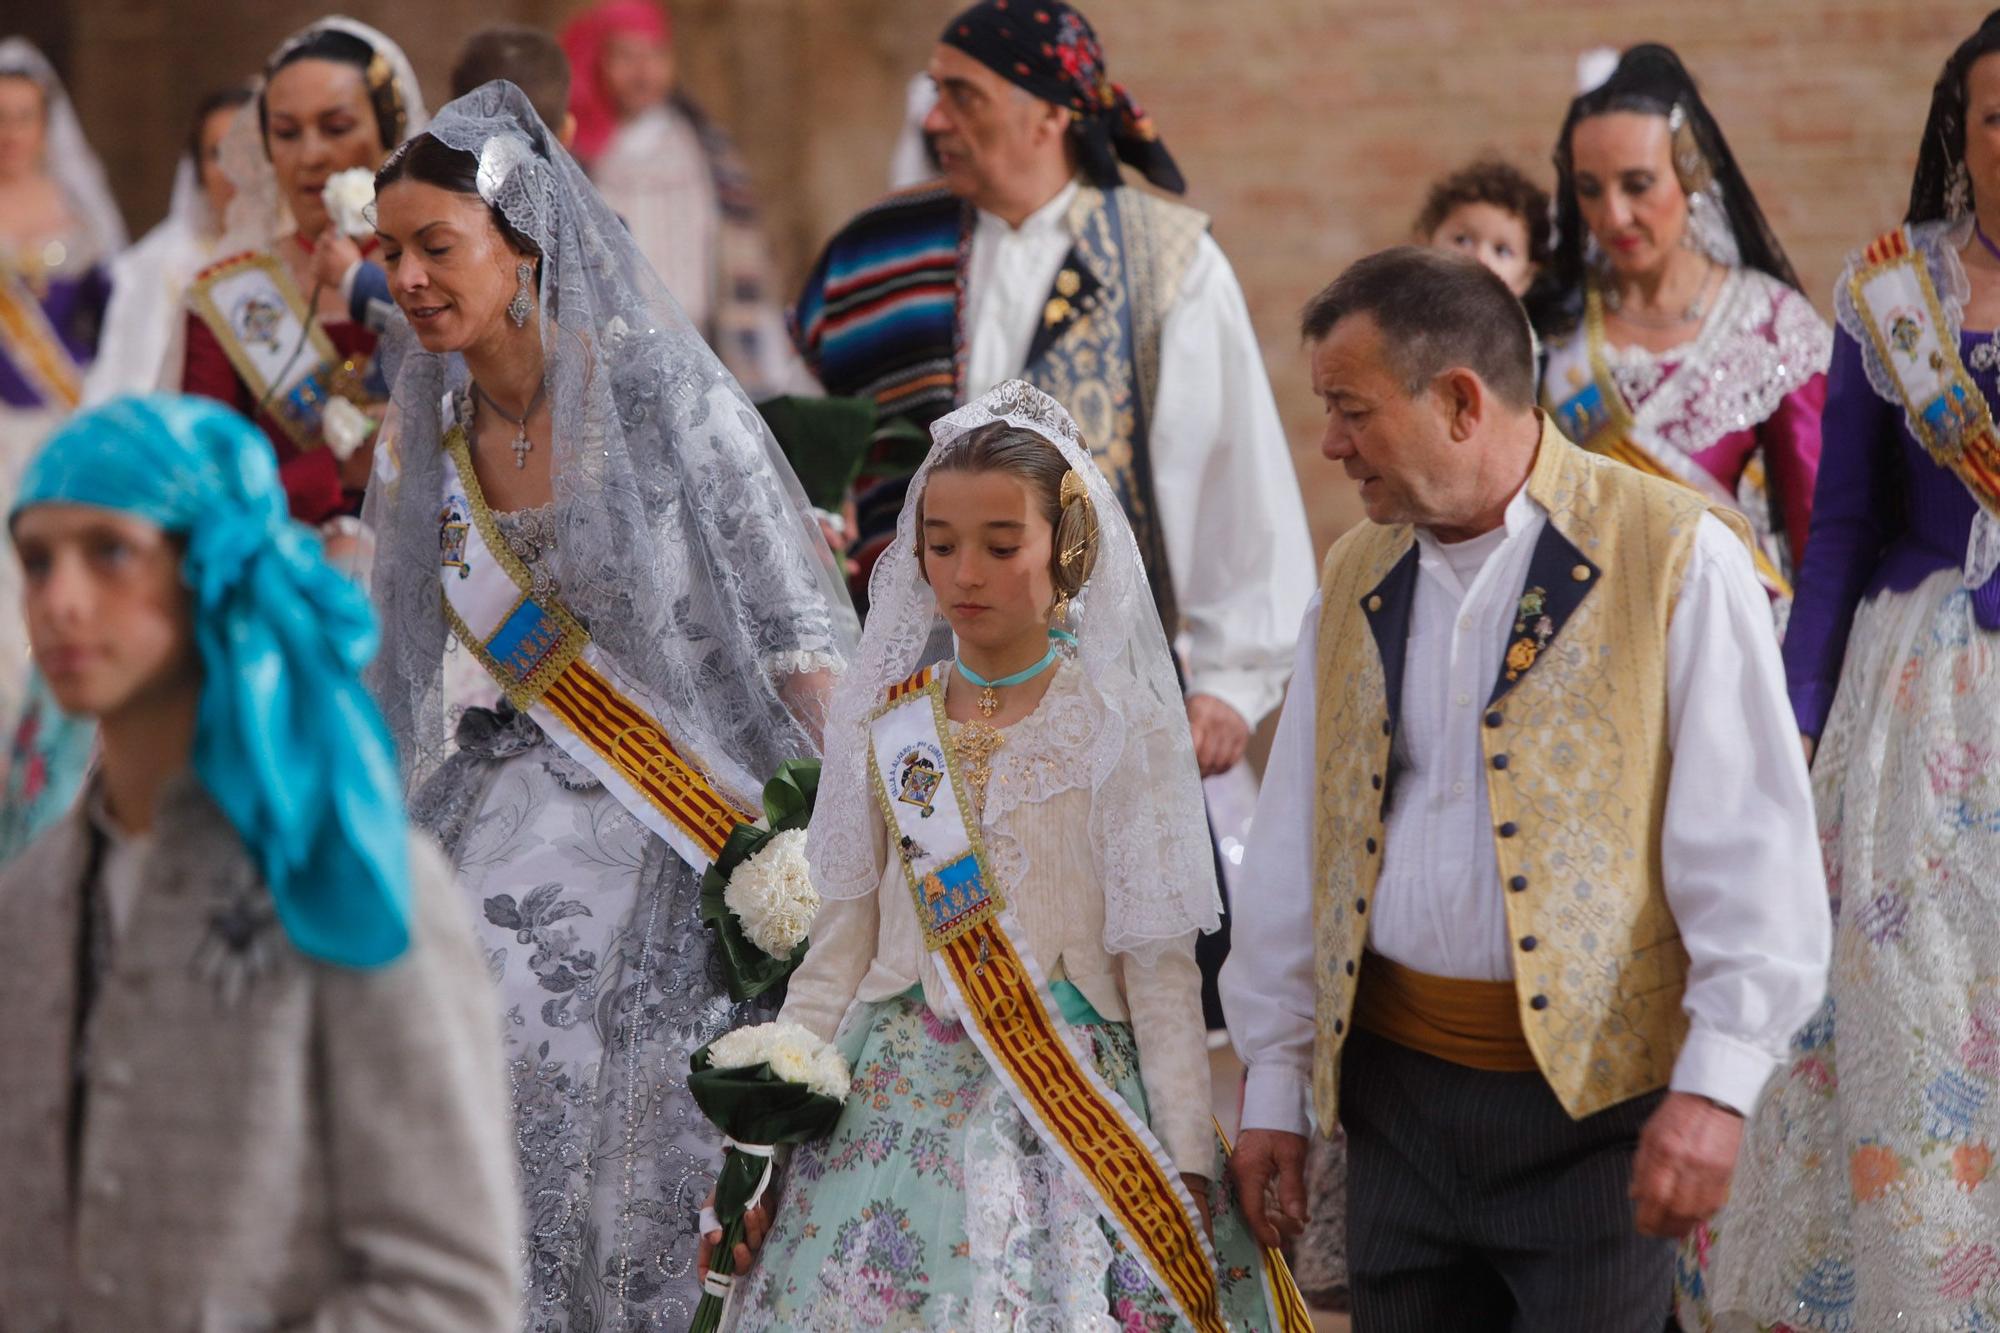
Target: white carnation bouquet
(759, 897)
(761, 1086)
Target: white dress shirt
(1739, 847)
(1228, 501)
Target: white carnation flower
(793, 1052)
(830, 1075)
(347, 196)
(345, 427)
(772, 895)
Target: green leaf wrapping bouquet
(771, 1084)
(758, 897)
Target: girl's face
(109, 617)
(1626, 189)
(318, 120)
(987, 548)
(1493, 236)
(450, 269)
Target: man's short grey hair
(1437, 311)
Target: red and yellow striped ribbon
(635, 745)
(1008, 1010)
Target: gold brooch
(1055, 312)
(1068, 283)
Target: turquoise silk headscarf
(288, 743)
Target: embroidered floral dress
(1866, 1196)
(933, 1205)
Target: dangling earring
(1708, 230)
(524, 294)
(1958, 192)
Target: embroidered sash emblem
(454, 523)
(918, 773)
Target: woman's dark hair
(429, 160)
(1501, 184)
(1649, 80)
(221, 99)
(1943, 146)
(377, 76)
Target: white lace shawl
(1149, 832)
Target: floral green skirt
(934, 1206)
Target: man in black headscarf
(1031, 258)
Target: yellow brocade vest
(1574, 740)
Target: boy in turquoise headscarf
(254, 1079)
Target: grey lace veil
(683, 541)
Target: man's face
(1397, 446)
(988, 133)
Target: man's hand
(756, 1223)
(1687, 1154)
(1220, 734)
(1266, 1162)
(333, 254)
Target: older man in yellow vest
(1534, 899)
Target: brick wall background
(1307, 128)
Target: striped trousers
(1476, 1205)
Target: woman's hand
(333, 254)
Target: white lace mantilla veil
(683, 541)
(71, 163)
(258, 215)
(1149, 828)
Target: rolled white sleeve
(1230, 511)
(1740, 846)
(1267, 983)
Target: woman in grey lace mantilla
(624, 550)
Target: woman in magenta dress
(1676, 336)
(268, 332)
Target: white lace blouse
(1037, 828)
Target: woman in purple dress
(58, 230)
(1867, 1195)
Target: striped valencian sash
(1898, 304)
(543, 660)
(1003, 996)
(281, 352)
(34, 347)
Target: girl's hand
(756, 1224)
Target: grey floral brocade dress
(608, 984)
